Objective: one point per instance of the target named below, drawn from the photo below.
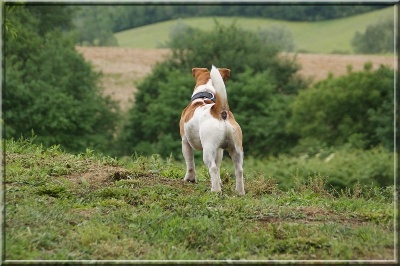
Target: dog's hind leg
(236, 154)
(210, 158)
(218, 160)
(187, 152)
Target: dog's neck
(207, 87)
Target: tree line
(122, 17)
(96, 25)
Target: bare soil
(124, 68)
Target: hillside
(89, 207)
(123, 68)
(316, 37)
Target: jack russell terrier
(207, 124)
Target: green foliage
(377, 38)
(152, 126)
(279, 36)
(262, 112)
(333, 36)
(341, 168)
(49, 88)
(356, 109)
(94, 26)
(122, 17)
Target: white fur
(219, 84)
(206, 87)
(203, 131)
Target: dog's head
(202, 75)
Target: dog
(207, 124)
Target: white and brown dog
(207, 124)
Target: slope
(316, 37)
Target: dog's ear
(225, 73)
(197, 71)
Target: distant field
(331, 36)
(124, 68)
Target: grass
(330, 36)
(60, 206)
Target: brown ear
(196, 71)
(225, 73)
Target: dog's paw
(240, 192)
(216, 190)
(190, 179)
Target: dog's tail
(221, 107)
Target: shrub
(356, 109)
(279, 36)
(341, 168)
(257, 74)
(377, 38)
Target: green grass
(60, 206)
(315, 37)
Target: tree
(356, 109)
(266, 85)
(49, 88)
(279, 36)
(377, 38)
(95, 26)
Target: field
(330, 36)
(64, 208)
(124, 68)
(89, 207)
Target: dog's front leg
(187, 152)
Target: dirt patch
(123, 68)
(96, 176)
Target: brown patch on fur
(202, 75)
(187, 114)
(237, 127)
(225, 73)
(219, 111)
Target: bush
(356, 109)
(341, 168)
(377, 38)
(279, 36)
(257, 74)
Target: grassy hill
(316, 37)
(60, 206)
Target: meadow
(331, 36)
(332, 204)
(87, 206)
